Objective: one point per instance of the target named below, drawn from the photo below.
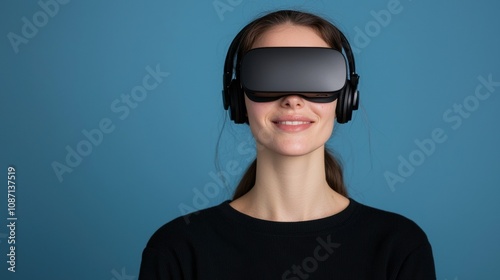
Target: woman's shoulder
(385, 222)
(186, 227)
(172, 247)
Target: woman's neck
(290, 189)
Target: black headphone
(232, 93)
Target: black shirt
(360, 242)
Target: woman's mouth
(293, 123)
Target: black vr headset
(268, 74)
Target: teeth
(293, 122)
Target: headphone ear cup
(341, 104)
(226, 99)
(348, 101)
(237, 103)
(231, 102)
(242, 109)
(355, 99)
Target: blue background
(159, 160)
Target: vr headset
(268, 74)
(316, 74)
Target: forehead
(288, 35)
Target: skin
(290, 180)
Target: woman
(290, 217)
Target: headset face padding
(233, 94)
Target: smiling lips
(293, 123)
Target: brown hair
(327, 31)
(331, 35)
